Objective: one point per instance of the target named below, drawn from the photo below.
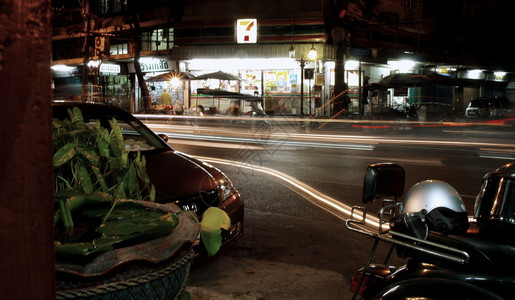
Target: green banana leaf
(89, 154)
(64, 154)
(132, 182)
(76, 200)
(91, 169)
(76, 117)
(116, 142)
(85, 180)
(129, 223)
(101, 244)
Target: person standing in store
(153, 95)
(166, 98)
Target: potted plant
(106, 242)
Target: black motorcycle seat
(484, 253)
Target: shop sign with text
(152, 65)
(155, 65)
(66, 72)
(110, 69)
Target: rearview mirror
(163, 136)
(383, 180)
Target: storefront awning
(325, 52)
(217, 75)
(418, 80)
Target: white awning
(249, 51)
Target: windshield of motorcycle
(496, 200)
(508, 203)
(485, 200)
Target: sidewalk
(200, 293)
(289, 258)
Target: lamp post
(303, 62)
(302, 65)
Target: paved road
(291, 248)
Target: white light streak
(496, 157)
(333, 138)
(329, 204)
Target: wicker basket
(164, 282)
(156, 269)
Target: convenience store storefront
(277, 81)
(264, 70)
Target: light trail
(174, 142)
(508, 154)
(327, 203)
(379, 140)
(424, 162)
(493, 156)
(270, 142)
(318, 139)
(298, 120)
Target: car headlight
(226, 189)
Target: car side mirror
(163, 136)
(383, 180)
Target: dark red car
(179, 178)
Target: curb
(200, 293)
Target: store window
(115, 90)
(112, 6)
(282, 91)
(158, 39)
(117, 47)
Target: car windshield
(479, 103)
(137, 137)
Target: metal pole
(309, 97)
(360, 92)
(302, 64)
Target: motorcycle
(447, 254)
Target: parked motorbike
(448, 255)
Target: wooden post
(26, 194)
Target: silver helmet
(433, 205)
(430, 194)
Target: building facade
(254, 40)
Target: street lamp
(291, 52)
(312, 53)
(312, 56)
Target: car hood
(177, 175)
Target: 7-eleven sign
(246, 31)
